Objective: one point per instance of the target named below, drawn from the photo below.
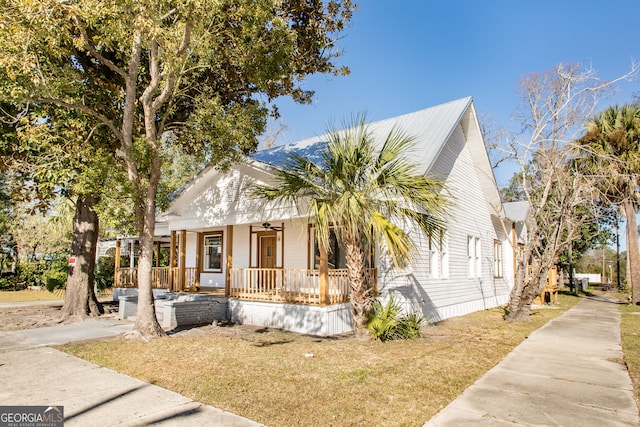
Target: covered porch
(264, 279)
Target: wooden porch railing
(161, 278)
(256, 284)
(290, 285)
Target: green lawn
(283, 379)
(630, 334)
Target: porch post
(132, 255)
(324, 275)
(158, 253)
(182, 271)
(282, 246)
(198, 260)
(514, 244)
(250, 245)
(227, 282)
(116, 267)
(172, 261)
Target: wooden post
(182, 271)
(199, 260)
(172, 261)
(282, 246)
(158, 253)
(324, 275)
(251, 246)
(229, 266)
(514, 243)
(116, 267)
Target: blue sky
(409, 55)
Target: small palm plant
(387, 322)
(368, 191)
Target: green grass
(270, 376)
(28, 296)
(630, 336)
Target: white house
(262, 257)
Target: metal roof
(516, 211)
(431, 127)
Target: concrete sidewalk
(567, 373)
(33, 374)
(30, 303)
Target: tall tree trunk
(633, 252)
(530, 283)
(146, 321)
(515, 311)
(80, 299)
(361, 295)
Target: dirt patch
(257, 335)
(38, 316)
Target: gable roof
(516, 211)
(432, 127)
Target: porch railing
(161, 278)
(256, 284)
(290, 285)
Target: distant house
(262, 258)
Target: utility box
(584, 284)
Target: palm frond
(367, 192)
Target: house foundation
(307, 319)
(176, 310)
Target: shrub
(388, 323)
(105, 268)
(50, 273)
(410, 325)
(54, 274)
(11, 282)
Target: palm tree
(367, 196)
(612, 144)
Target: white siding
(219, 199)
(469, 215)
(241, 246)
(192, 240)
(296, 247)
(307, 319)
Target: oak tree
(198, 74)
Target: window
(212, 253)
(336, 253)
(434, 259)
(474, 257)
(497, 259)
(438, 257)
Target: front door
(268, 252)
(268, 278)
